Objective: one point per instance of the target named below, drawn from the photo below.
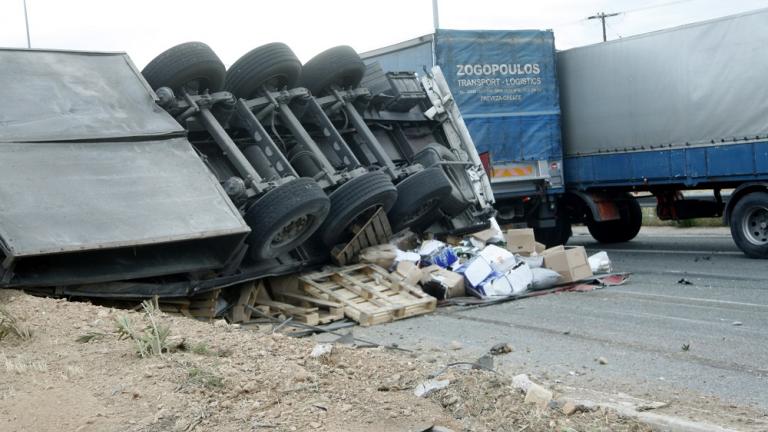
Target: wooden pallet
(375, 232)
(297, 302)
(370, 295)
(201, 306)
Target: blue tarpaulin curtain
(505, 84)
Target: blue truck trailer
(661, 113)
(505, 84)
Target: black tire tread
(415, 190)
(170, 66)
(250, 71)
(339, 65)
(373, 188)
(749, 249)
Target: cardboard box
(540, 248)
(408, 272)
(521, 241)
(476, 271)
(570, 262)
(451, 283)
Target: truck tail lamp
(485, 159)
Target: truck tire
(355, 202)
(193, 65)
(554, 236)
(340, 66)
(749, 224)
(622, 230)
(285, 217)
(418, 198)
(457, 201)
(273, 65)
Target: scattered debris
(737, 323)
(602, 360)
(427, 387)
(686, 347)
(501, 348)
(456, 345)
(572, 407)
(538, 395)
(521, 382)
(600, 263)
(684, 281)
(321, 350)
(484, 362)
(570, 261)
(651, 406)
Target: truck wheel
(339, 66)
(191, 65)
(354, 202)
(554, 236)
(418, 198)
(285, 217)
(749, 224)
(273, 65)
(462, 194)
(622, 230)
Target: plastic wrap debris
(321, 350)
(501, 260)
(544, 278)
(427, 387)
(412, 257)
(430, 246)
(405, 240)
(600, 263)
(533, 261)
(381, 255)
(514, 281)
(437, 252)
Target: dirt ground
(227, 378)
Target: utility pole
(435, 15)
(26, 24)
(602, 16)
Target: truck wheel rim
(755, 225)
(291, 231)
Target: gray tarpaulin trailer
(97, 182)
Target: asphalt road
(640, 328)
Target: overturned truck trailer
(187, 177)
(96, 182)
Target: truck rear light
(485, 159)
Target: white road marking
(670, 251)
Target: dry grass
(12, 326)
(650, 219)
(152, 340)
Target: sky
(144, 28)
